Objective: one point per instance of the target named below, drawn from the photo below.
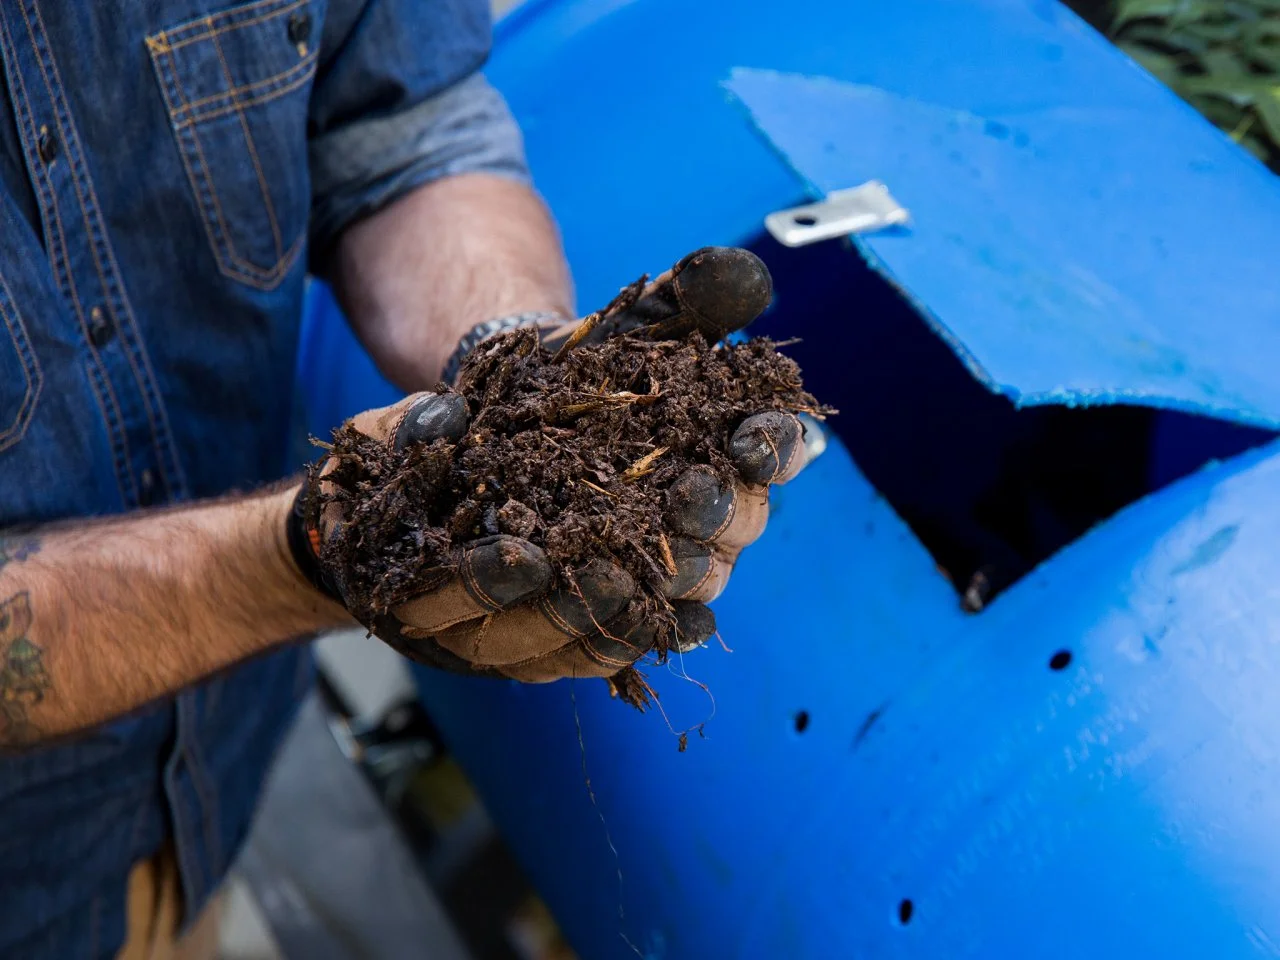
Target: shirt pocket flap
(235, 59)
(236, 85)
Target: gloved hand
(500, 613)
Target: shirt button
(146, 487)
(48, 145)
(300, 31)
(101, 330)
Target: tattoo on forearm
(23, 678)
(17, 549)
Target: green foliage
(1221, 56)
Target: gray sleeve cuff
(361, 167)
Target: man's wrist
(491, 328)
(289, 599)
(303, 542)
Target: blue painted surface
(1122, 806)
(337, 377)
(1046, 239)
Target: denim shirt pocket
(236, 85)
(20, 375)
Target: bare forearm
(417, 276)
(99, 619)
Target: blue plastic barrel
(1088, 767)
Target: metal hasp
(856, 210)
(1088, 767)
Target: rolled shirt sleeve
(399, 102)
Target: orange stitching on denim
(123, 433)
(164, 434)
(229, 262)
(170, 75)
(246, 273)
(259, 278)
(28, 399)
(31, 368)
(231, 253)
(253, 155)
(40, 177)
(55, 222)
(53, 204)
(164, 87)
(234, 92)
(184, 29)
(74, 138)
(113, 434)
(224, 252)
(164, 39)
(251, 101)
(24, 116)
(72, 135)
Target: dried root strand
(631, 687)
(597, 488)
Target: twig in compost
(580, 333)
(598, 489)
(667, 559)
(643, 466)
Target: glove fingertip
(622, 643)
(693, 567)
(598, 592)
(698, 505)
(503, 571)
(434, 416)
(725, 287)
(768, 448)
(695, 625)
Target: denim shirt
(168, 170)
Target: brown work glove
(499, 613)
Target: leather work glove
(500, 613)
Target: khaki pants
(155, 913)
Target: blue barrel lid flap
(1044, 239)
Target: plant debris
(574, 452)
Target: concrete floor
(336, 877)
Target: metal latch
(856, 210)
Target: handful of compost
(571, 504)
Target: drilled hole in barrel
(802, 721)
(1060, 660)
(905, 909)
